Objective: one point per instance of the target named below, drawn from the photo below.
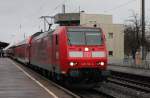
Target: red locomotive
(70, 53)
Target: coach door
(55, 50)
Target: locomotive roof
(41, 34)
(37, 33)
(81, 28)
(22, 42)
(69, 28)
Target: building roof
(3, 45)
(67, 19)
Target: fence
(129, 62)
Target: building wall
(114, 33)
(95, 18)
(115, 43)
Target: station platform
(15, 84)
(130, 70)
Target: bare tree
(133, 36)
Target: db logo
(87, 54)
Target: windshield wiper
(69, 42)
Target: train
(72, 54)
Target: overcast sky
(24, 14)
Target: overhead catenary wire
(120, 6)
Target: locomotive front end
(87, 55)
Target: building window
(110, 53)
(110, 35)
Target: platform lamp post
(143, 28)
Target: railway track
(137, 83)
(143, 87)
(91, 93)
(129, 86)
(120, 86)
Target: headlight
(72, 64)
(75, 54)
(86, 49)
(101, 63)
(98, 54)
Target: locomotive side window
(50, 38)
(57, 40)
